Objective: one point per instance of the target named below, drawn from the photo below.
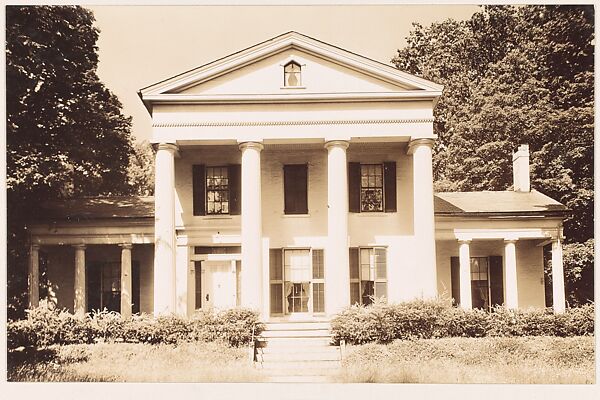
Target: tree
(515, 75)
(66, 135)
(141, 169)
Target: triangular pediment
(259, 70)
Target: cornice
(193, 124)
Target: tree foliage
(514, 75)
(66, 135)
(141, 169)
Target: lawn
(129, 362)
(522, 360)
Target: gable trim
(274, 46)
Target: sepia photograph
(300, 194)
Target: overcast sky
(141, 45)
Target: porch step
(297, 352)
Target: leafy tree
(515, 75)
(141, 169)
(66, 135)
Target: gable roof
(289, 40)
(505, 203)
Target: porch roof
(497, 202)
(446, 204)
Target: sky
(142, 45)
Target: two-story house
(295, 178)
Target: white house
(295, 177)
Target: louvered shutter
(389, 176)
(354, 187)
(235, 189)
(199, 189)
(455, 280)
(496, 281)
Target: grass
(521, 360)
(127, 362)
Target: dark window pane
(354, 293)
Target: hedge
(382, 322)
(45, 326)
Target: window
(368, 274)
(216, 189)
(104, 286)
(487, 288)
(372, 187)
(297, 281)
(295, 182)
(292, 74)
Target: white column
(251, 226)
(466, 301)
(424, 222)
(79, 306)
(558, 277)
(337, 270)
(126, 280)
(510, 274)
(34, 276)
(164, 229)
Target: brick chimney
(521, 169)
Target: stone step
(284, 326)
(296, 333)
(300, 342)
(300, 356)
(325, 348)
(303, 367)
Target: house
(295, 178)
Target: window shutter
(235, 189)
(455, 280)
(354, 276)
(276, 281)
(354, 187)
(295, 182)
(199, 189)
(496, 281)
(389, 177)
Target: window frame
(382, 187)
(487, 280)
(225, 190)
(359, 280)
(286, 74)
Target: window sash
(372, 275)
(217, 190)
(372, 194)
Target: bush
(46, 326)
(381, 322)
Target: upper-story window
(292, 74)
(295, 189)
(371, 187)
(217, 190)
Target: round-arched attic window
(292, 74)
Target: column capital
(80, 246)
(414, 143)
(464, 241)
(171, 147)
(251, 145)
(126, 246)
(35, 246)
(510, 240)
(343, 144)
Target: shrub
(420, 319)
(46, 326)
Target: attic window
(291, 74)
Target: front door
(218, 285)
